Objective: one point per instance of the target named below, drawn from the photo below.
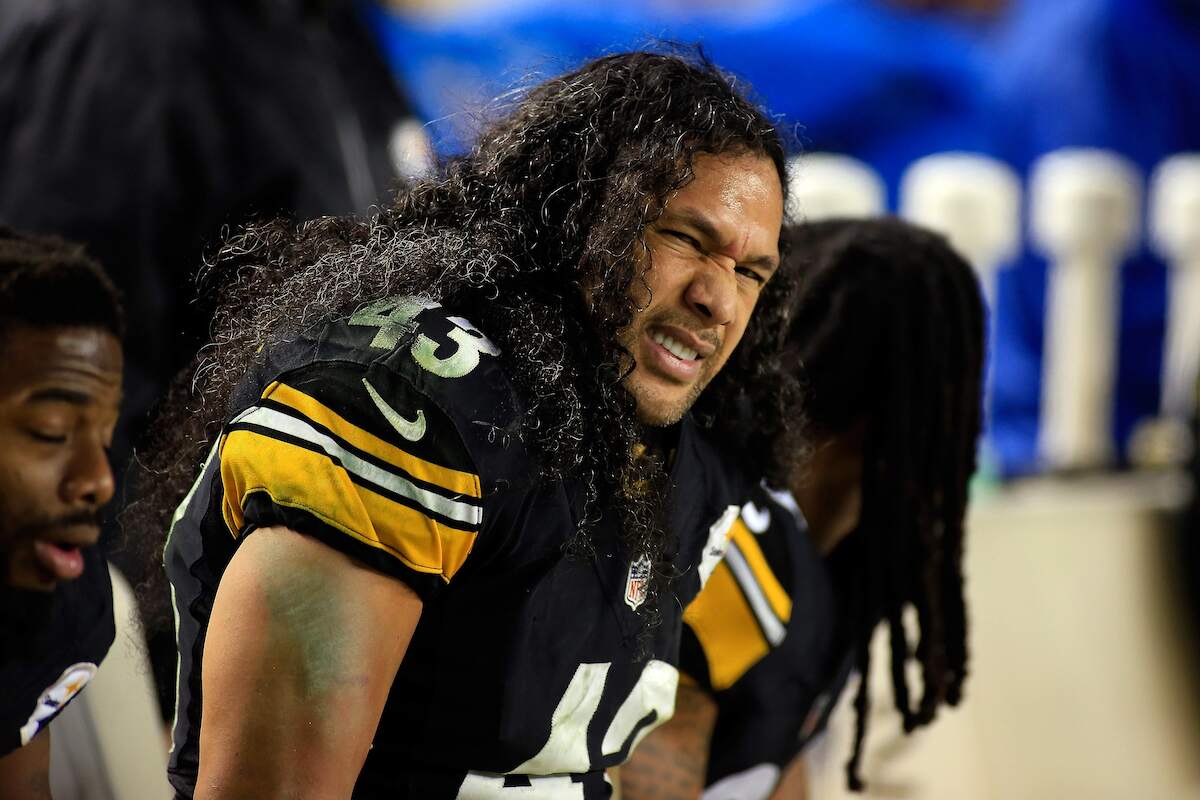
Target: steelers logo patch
(51, 701)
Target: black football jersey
(39, 678)
(759, 639)
(395, 436)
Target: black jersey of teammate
(39, 677)
(395, 437)
(759, 639)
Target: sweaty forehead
(740, 186)
(739, 195)
(87, 358)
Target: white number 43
(393, 316)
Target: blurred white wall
(1080, 683)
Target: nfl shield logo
(638, 582)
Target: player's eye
(752, 274)
(47, 437)
(683, 237)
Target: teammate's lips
(59, 553)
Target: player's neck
(660, 441)
(828, 489)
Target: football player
(453, 501)
(60, 388)
(887, 329)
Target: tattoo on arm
(671, 763)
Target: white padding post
(972, 200)
(1084, 215)
(825, 186)
(1174, 220)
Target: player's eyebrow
(57, 394)
(767, 263)
(698, 221)
(705, 228)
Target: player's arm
(25, 772)
(302, 648)
(793, 784)
(672, 761)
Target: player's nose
(89, 478)
(712, 291)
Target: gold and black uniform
(761, 640)
(394, 436)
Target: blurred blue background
(888, 83)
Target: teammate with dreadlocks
(454, 502)
(887, 329)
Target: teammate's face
(60, 389)
(711, 252)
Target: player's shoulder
(746, 607)
(779, 528)
(776, 538)
(391, 434)
(771, 537)
(403, 370)
(791, 550)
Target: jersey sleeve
(743, 611)
(758, 638)
(361, 460)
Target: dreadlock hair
(888, 328)
(48, 282)
(536, 236)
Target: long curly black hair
(554, 197)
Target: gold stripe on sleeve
(452, 480)
(776, 595)
(299, 478)
(725, 625)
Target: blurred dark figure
(142, 128)
(60, 390)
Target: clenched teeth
(675, 348)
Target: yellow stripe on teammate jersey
(727, 616)
(764, 576)
(725, 625)
(296, 477)
(452, 480)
